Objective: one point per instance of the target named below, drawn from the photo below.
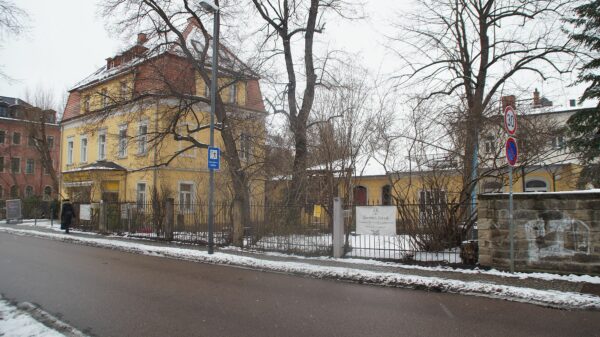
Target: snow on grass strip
(26, 319)
(550, 298)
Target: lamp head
(209, 6)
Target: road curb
(49, 320)
(546, 298)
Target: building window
(124, 90)
(558, 142)
(359, 194)
(233, 93)
(1, 192)
(432, 204)
(207, 90)
(488, 145)
(15, 165)
(245, 146)
(2, 136)
(142, 137)
(70, 151)
(536, 185)
(47, 193)
(47, 167)
(102, 145)
(83, 149)
(16, 139)
(86, 103)
(50, 141)
(386, 195)
(123, 141)
(1, 164)
(3, 111)
(492, 187)
(28, 192)
(185, 197)
(104, 97)
(141, 195)
(14, 191)
(31, 141)
(29, 166)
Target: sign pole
(510, 220)
(213, 104)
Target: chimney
(509, 101)
(142, 38)
(572, 103)
(109, 63)
(536, 99)
(192, 20)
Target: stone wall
(556, 232)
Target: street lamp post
(211, 7)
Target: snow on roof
(159, 45)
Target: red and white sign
(510, 120)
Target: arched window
(14, 191)
(360, 195)
(47, 193)
(492, 187)
(28, 191)
(536, 185)
(386, 195)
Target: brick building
(26, 160)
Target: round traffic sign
(510, 120)
(512, 151)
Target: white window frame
(27, 161)
(191, 153)
(142, 142)
(122, 145)
(233, 91)
(192, 191)
(536, 189)
(245, 146)
(102, 145)
(83, 149)
(70, 150)
(27, 195)
(47, 196)
(141, 203)
(11, 165)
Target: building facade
(131, 129)
(24, 168)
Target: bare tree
(290, 28)
(165, 22)
(466, 51)
(12, 23)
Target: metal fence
(423, 233)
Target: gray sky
(67, 41)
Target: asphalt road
(110, 293)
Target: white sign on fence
(376, 220)
(13, 210)
(84, 212)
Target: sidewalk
(561, 291)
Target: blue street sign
(512, 151)
(214, 158)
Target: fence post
(238, 227)
(169, 218)
(338, 228)
(102, 221)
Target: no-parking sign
(512, 151)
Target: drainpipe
(155, 170)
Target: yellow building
(134, 127)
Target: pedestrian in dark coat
(67, 212)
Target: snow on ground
(543, 297)
(14, 322)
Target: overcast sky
(67, 41)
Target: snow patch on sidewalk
(14, 322)
(552, 298)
